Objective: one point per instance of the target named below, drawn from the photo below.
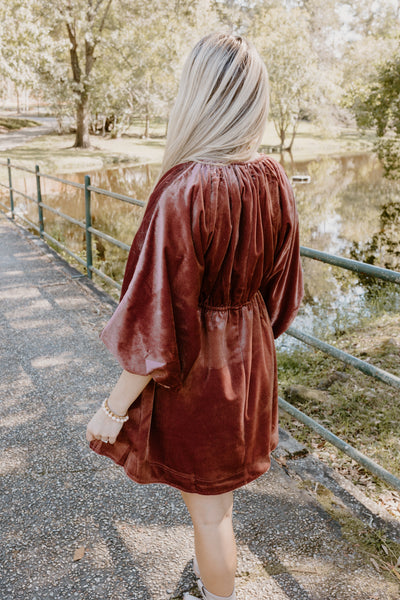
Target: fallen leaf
(79, 552)
(374, 563)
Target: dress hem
(185, 483)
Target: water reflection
(340, 211)
(346, 209)
(383, 247)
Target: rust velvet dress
(213, 275)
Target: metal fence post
(11, 190)
(89, 258)
(39, 200)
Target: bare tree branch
(104, 17)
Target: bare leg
(214, 540)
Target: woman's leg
(214, 540)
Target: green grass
(356, 407)
(12, 124)
(55, 153)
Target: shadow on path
(58, 496)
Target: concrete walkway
(136, 543)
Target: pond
(347, 208)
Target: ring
(105, 441)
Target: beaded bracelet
(113, 415)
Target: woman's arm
(126, 390)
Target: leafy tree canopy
(377, 106)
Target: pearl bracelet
(113, 415)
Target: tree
(372, 39)
(78, 26)
(368, 18)
(20, 35)
(283, 39)
(234, 15)
(148, 72)
(377, 106)
(85, 31)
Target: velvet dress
(212, 277)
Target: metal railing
(344, 263)
(349, 359)
(86, 225)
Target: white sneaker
(205, 595)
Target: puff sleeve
(155, 329)
(282, 287)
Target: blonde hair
(221, 108)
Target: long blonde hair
(221, 108)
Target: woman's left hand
(125, 392)
(101, 427)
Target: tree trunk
(82, 138)
(282, 136)
(147, 123)
(91, 39)
(17, 95)
(289, 148)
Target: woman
(212, 277)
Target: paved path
(24, 135)
(58, 496)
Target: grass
(312, 142)
(55, 153)
(371, 543)
(12, 124)
(356, 407)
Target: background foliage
(107, 62)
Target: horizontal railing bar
(360, 458)
(349, 359)
(8, 208)
(109, 238)
(5, 186)
(105, 277)
(350, 264)
(63, 215)
(346, 263)
(35, 227)
(75, 256)
(122, 197)
(23, 194)
(66, 181)
(5, 164)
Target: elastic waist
(205, 306)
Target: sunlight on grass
(55, 153)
